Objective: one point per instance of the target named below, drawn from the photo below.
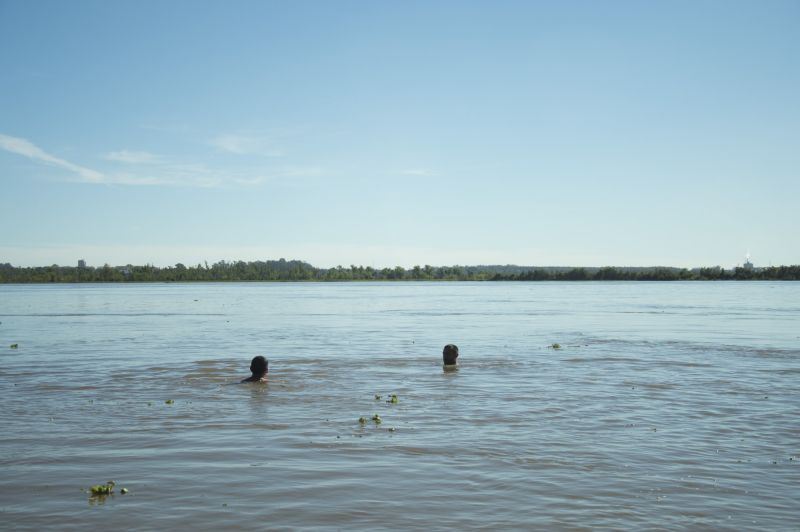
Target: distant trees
(294, 270)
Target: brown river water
(669, 406)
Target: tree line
(294, 270)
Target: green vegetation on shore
(294, 270)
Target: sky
(571, 133)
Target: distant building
(747, 264)
(81, 263)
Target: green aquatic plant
(392, 429)
(169, 401)
(102, 489)
(14, 346)
(377, 419)
(393, 399)
(377, 397)
(362, 420)
(556, 346)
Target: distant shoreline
(298, 271)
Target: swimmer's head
(450, 354)
(259, 365)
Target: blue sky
(400, 133)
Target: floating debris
(555, 346)
(377, 397)
(123, 491)
(362, 420)
(103, 489)
(14, 346)
(377, 419)
(169, 401)
(392, 429)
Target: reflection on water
(684, 418)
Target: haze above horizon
(382, 134)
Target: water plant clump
(393, 399)
(377, 419)
(362, 420)
(14, 346)
(103, 489)
(169, 401)
(556, 346)
(377, 397)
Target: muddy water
(668, 405)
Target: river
(667, 406)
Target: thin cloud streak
(419, 172)
(174, 176)
(245, 145)
(158, 172)
(293, 173)
(27, 149)
(132, 157)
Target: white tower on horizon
(747, 264)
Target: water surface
(669, 405)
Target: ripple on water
(643, 419)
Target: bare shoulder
(253, 379)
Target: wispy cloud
(162, 174)
(246, 145)
(132, 157)
(141, 168)
(284, 173)
(420, 172)
(27, 149)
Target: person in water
(259, 367)
(450, 356)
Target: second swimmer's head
(450, 354)
(259, 365)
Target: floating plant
(14, 346)
(102, 489)
(169, 401)
(556, 346)
(362, 420)
(377, 397)
(393, 399)
(377, 419)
